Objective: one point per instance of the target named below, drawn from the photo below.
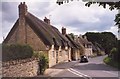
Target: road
(94, 69)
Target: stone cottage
(41, 36)
(85, 44)
(75, 48)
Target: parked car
(83, 59)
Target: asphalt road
(94, 69)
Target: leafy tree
(114, 54)
(71, 35)
(106, 39)
(112, 5)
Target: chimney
(22, 9)
(21, 33)
(47, 21)
(63, 31)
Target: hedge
(16, 51)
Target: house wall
(69, 51)
(103, 52)
(77, 54)
(33, 40)
(88, 52)
(52, 56)
(13, 38)
(30, 38)
(63, 56)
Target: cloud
(114, 30)
(83, 19)
(9, 11)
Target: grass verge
(111, 62)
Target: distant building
(85, 44)
(75, 48)
(97, 49)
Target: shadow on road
(93, 66)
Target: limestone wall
(52, 56)
(20, 68)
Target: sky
(74, 16)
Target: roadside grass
(111, 62)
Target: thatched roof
(11, 31)
(47, 33)
(84, 41)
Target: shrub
(43, 60)
(114, 54)
(16, 51)
(43, 64)
(112, 63)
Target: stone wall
(20, 68)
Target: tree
(106, 39)
(112, 5)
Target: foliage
(112, 5)
(43, 64)
(111, 62)
(106, 39)
(43, 61)
(16, 51)
(114, 54)
(117, 20)
(72, 35)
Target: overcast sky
(74, 16)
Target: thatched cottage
(42, 37)
(85, 44)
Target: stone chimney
(22, 9)
(21, 33)
(47, 20)
(63, 31)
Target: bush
(43, 60)
(112, 63)
(16, 51)
(43, 64)
(114, 54)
